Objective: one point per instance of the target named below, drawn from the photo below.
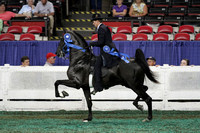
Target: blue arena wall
(165, 52)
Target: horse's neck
(78, 56)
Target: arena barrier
(32, 89)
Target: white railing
(32, 88)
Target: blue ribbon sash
(123, 56)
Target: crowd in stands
(7, 15)
(157, 21)
(137, 9)
(43, 8)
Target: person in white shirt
(28, 9)
(45, 8)
(51, 57)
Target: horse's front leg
(69, 83)
(87, 94)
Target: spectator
(119, 10)
(151, 61)
(25, 61)
(96, 6)
(7, 15)
(138, 9)
(185, 62)
(51, 57)
(45, 8)
(28, 9)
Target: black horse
(130, 75)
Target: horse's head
(74, 38)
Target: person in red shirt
(7, 15)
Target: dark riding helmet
(96, 17)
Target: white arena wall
(32, 89)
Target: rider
(104, 59)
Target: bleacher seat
(58, 11)
(186, 29)
(27, 37)
(192, 20)
(7, 37)
(180, 3)
(165, 29)
(125, 2)
(148, 3)
(161, 3)
(160, 37)
(110, 29)
(35, 29)
(140, 37)
(159, 11)
(119, 37)
(145, 29)
(94, 37)
(56, 2)
(197, 37)
(172, 20)
(153, 20)
(193, 11)
(14, 29)
(136, 20)
(182, 37)
(13, 8)
(195, 3)
(179, 11)
(124, 29)
(15, 2)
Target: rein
(69, 44)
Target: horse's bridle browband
(69, 44)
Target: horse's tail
(140, 59)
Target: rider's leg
(97, 74)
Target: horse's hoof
(57, 95)
(65, 94)
(146, 120)
(87, 120)
(140, 107)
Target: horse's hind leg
(135, 103)
(87, 94)
(140, 91)
(148, 100)
(68, 83)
